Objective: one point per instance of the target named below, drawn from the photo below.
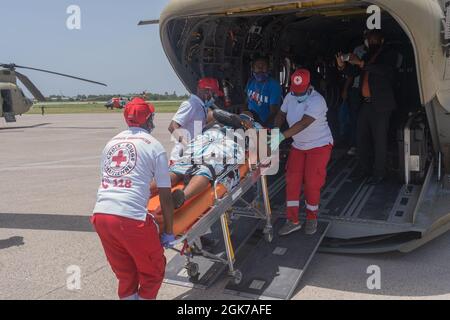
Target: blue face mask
(303, 98)
(261, 76)
(209, 103)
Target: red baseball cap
(211, 84)
(300, 81)
(137, 112)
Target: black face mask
(373, 48)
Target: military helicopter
(12, 99)
(219, 38)
(412, 207)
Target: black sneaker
(178, 198)
(311, 227)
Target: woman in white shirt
(305, 110)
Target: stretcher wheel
(237, 277)
(192, 269)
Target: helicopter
(13, 101)
(216, 38)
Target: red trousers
(307, 169)
(134, 251)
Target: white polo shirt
(318, 134)
(130, 162)
(191, 113)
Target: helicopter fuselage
(12, 99)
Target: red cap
(300, 81)
(137, 112)
(211, 84)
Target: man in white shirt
(129, 235)
(193, 115)
(305, 110)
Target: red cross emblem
(119, 159)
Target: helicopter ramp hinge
(9, 117)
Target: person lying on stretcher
(208, 156)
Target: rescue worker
(129, 235)
(195, 111)
(377, 70)
(305, 111)
(264, 94)
(351, 94)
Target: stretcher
(216, 203)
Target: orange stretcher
(216, 203)
(185, 217)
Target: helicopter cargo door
(272, 271)
(7, 107)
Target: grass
(96, 107)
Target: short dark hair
(261, 58)
(375, 32)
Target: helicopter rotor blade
(61, 74)
(30, 86)
(148, 22)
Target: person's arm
(181, 118)
(304, 123)
(173, 126)
(165, 198)
(178, 133)
(210, 117)
(280, 119)
(275, 101)
(273, 113)
(349, 69)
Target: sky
(108, 48)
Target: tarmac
(50, 172)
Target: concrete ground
(49, 177)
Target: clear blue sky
(109, 48)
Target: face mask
(261, 76)
(303, 98)
(374, 47)
(209, 103)
(150, 125)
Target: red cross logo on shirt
(119, 159)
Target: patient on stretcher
(208, 156)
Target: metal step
(273, 270)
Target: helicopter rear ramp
(274, 270)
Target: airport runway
(49, 177)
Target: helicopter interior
(225, 46)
